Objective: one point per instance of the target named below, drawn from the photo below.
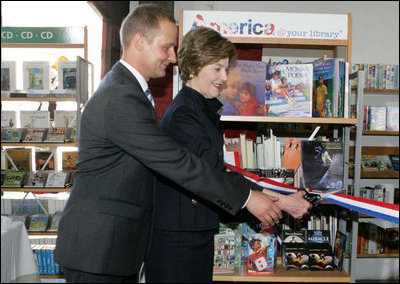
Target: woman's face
(210, 79)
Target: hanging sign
(269, 25)
(45, 35)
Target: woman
(184, 226)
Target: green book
(14, 179)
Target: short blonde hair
(201, 47)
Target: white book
(36, 76)
(35, 119)
(346, 93)
(8, 118)
(249, 153)
(65, 118)
(389, 193)
(56, 179)
(8, 77)
(243, 149)
(260, 155)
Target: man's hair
(201, 47)
(144, 19)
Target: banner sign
(62, 35)
(269, 25)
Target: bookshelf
(187, 19)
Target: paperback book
(322, 165)
(12, 135)
(34, 135)
(38, 223)
(35, 119)
(289, 90)
(262, 248)
(67, 75)
(14, 179)
(392, 118)
(244, 92)
(37, 179)
(56, 135)
(57, 179)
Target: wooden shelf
(380, 133)
(72, 144)
(379, 91)
(51, 276)
(34, 189)
(282, 275)
(41, 99)
(383, 255)
(45, 233)
(311, 120)
(378, 175)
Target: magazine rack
(344, 123)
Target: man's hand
(294, 204)
(264, 207)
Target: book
(395, 161)
(322, 165)
(392, 240)
(57, 179)
(56, 134)
(384, 163)
(36, 76)
(8, 118)
(8, 77)
(66, 75)
(318, 236)
(226, 256)
(294, 236)
(368, 163)
(21, 158)
(66, 118)
(54, 221)
(14, 179)
(325, 87)
(262, 248)
(44, 159)
(289, 90)
(69, 160)
(295, 256)
(233, 152)
(377, 118)
(392, 118)
(35, 119)
(244, 91)
(338, 250)
(38, 223)
(12, 135)
(292, 154)
(321, 257)
(34, 135)
(37, 179)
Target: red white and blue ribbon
(373, 208)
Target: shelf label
(44, 35)
(269, 25)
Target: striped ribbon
(373, 208)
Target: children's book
(384, 163)
(289, 90)
(56, 135)
(368, 163)
(44, 160)
(244, 91)
(37, 179)
(322, 165)
(36, 76)
(14, 179)
(34, 135)
(262, 248)
(38, 222)
(12, 135)
(67, 75)
(57, 179)
(377, 118)
(395, 161)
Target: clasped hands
(268, 205)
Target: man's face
(159, 52)
(256, 245)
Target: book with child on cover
(244, 92)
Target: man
(106, 226)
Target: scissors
(314, 197)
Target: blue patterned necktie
(149, 96)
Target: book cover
(56, 179)
(392, 118)
(233, 153)
(289, 90)
(395, 161)
(37, 179)
(38, 223)
(35, 119)
(322, 165)
(12, 135)
(244, 91)
(226, 254)
(368, 163)
(44, 160)
(69, 160)
(318, 236)
(54, 221)
(338, 250)
(262, 248)
(8, 118)
(66, 75)
(294, 236)
(56, 134)
(295, 256)
(20, 158)
(377, 118)
(325, 87)
(36, 76)
(384, 163)
(321, 257)
(8, 76)
(292, 155)
(34, 135)
(14, 179)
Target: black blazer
(107, 222)
(193, 122)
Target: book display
(8, 77)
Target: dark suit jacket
(193, 122)
(107, 222)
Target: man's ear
(139, 41)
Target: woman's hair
(201, 47)
(144, 19)
(250, 88)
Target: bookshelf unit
(281, 275)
